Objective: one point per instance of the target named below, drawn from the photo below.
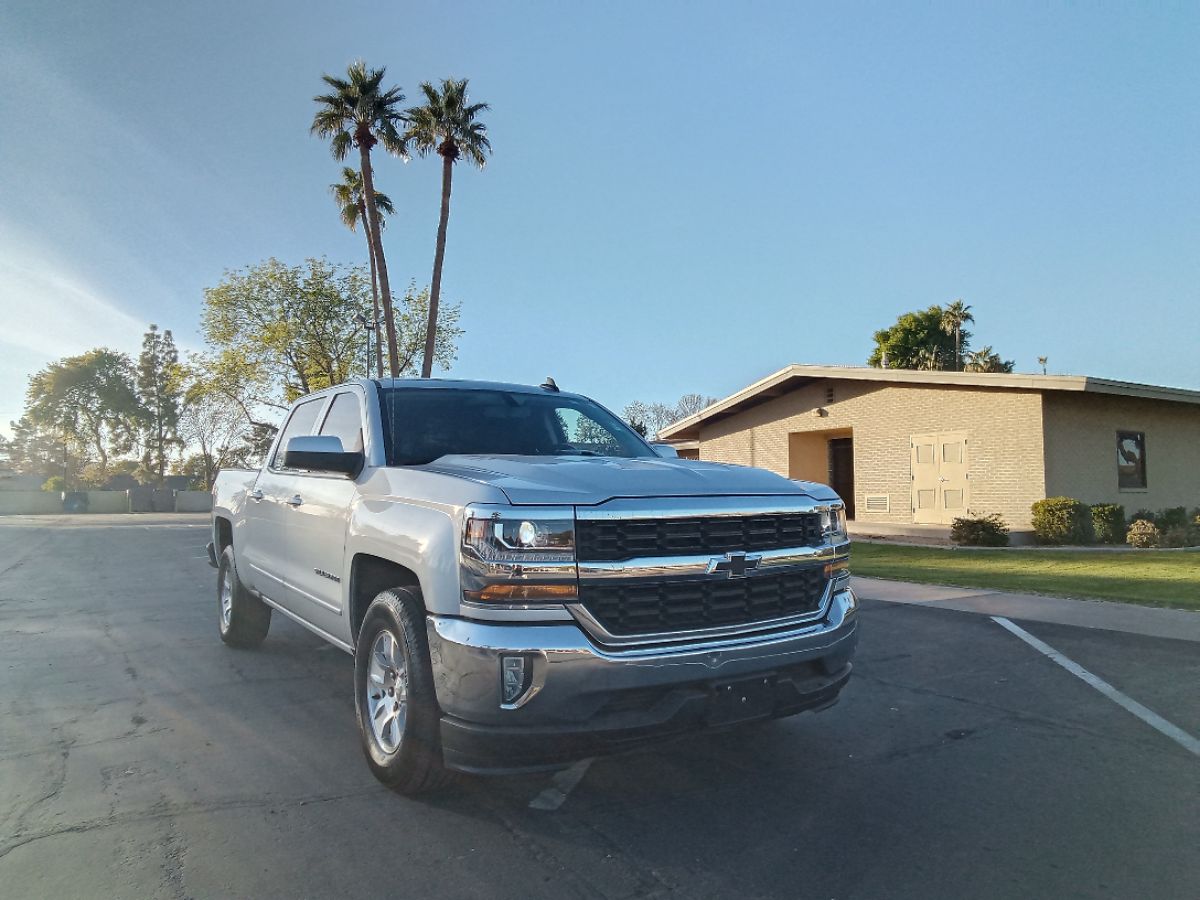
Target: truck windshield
(425, 424)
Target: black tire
(248, 618)
(414, 765)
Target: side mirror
(667, 451)
(321, 453)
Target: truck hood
(586, 481)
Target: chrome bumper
(573, 679)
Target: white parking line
(1151, 718)
(562, 784)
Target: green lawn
(1148, 577)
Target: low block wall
(107, 502)
(193, 501)
(27, 502)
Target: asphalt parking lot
(140, 757)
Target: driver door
(317, 525)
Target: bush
(1143, 533)
(980, 531)
(55, 484)
(1175, 517)
(1062, 520)
(1143, 515)
(1181, 536)
(1108, 523)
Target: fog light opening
(516, 675)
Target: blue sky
(684, 196)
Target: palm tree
(1042, 360)
(987, 360)
(348, 194)
(447, 125)
(929, 359)
(361, 113)
(954, 317)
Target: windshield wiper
(571, 451)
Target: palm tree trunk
(384, 288)
(374, 290)
(439, 256)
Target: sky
(684, 197)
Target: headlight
(522, 539)
(833, 524)
(513, 557)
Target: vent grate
(877, 503)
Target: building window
(1131, 460)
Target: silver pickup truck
(523, 581)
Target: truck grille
(603, 540)
(650, 607)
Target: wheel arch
(369, 576)
(222, 533)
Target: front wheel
(398, 718)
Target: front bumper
(584, 700)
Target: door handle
(295, 500)
(256, 495)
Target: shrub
(1062, 520)
(1143, 515)
(55, 484)
(1108, 523)
(1143, 533)
(980, 531)
(1180, 536)
(1175, 517)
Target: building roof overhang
(796, 376)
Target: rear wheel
(398, 717)
(242, 619)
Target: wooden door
(841, 471)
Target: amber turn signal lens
(523, 593)
(833, 569)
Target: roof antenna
(549, 384)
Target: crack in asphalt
(166, 810)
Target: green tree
(954, 317)
(446, 124)
(901, 345)
(38, 450)
(276, 332)
(348, 194)
(986, 360)
(159, 391)
(360, 112)
(88, 399)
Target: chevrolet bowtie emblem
(736, 564)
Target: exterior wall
(1081, 455)
(26, 502)
(108, 502)
(808, 453)
(193, 501)
(1004, 429)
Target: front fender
(421, 537)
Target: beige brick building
(903, 446)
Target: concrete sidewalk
(1178, 624)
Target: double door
(941, 484)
